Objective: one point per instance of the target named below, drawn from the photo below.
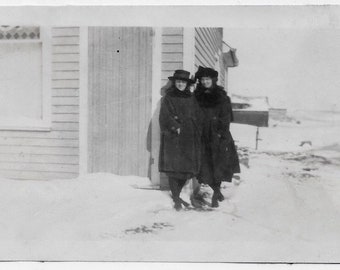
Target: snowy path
(280, 212)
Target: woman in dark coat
(180, 123)
(219, 156)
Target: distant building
(250, 110)
(278, 114)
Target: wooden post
(257, 137)
(156, 97)
(83, 101)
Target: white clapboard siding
(38, 142)
(54, 154)
(65, 58)
(177, 48)
(66, 117)
(172, 52)
(66, 66)
(43, 135)
(37, 158)
(65, 92)
(37, 167)
(172, 57)
(65, 83)
(170, 66)
(65, 109)
(65, 75)
(36, 175)
(208, 45)
(172, 39)
(58, 49)
(65, 100)
(47, 150)
(63, 41)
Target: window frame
(45, 124)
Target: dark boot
(178, 205)
(175, 193)
(217, 196)
(214, 200)
(220, 196)
(180, 184)
(216, 187)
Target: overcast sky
(289, 53)
(297, 68)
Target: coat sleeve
(224, 118)
(167, 117)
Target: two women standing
(195, 137)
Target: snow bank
(109, 218)
(285, 208)
(319, 128)
(244, 135)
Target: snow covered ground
(285, 209)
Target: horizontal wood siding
(41, 155)
(172, 51)
(208, 46)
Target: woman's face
(206, 82)
(180, 85)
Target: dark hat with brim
(181, 75)
(205, 72)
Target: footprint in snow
(156, 226)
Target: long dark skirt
(219, 163)
(180, 175)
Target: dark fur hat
(205, 72)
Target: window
(24, 77)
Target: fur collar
(210, 97)
(174, 92)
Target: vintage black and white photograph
(170, 134)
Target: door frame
(83, 100)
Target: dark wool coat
(219, 156)
(180, 153)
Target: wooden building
(251, 110)
(85, 99)
(278, 114)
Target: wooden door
(120, 78)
